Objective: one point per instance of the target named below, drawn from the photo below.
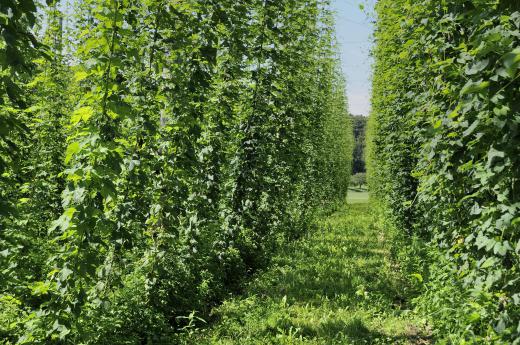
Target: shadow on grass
(358, 189)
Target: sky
(354, 34)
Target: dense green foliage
(359, 124)
(154, 153)
(444, 147)
(18, 47)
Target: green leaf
(80, 75)
(494, 155)
(474, 317)
(4, 19)
(39, 288)
(511, 62)
(81, 114)
(501, 248)
(477, 67)
(418, 277)
(71, 150)
(64, 221)
(488, 263)
(65, 273)
(474, 87)
(471, 129)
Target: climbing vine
(444, 154)
(154, 153)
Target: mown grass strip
(337, 285)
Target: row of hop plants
(153, 153)
(444, 147)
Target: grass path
(338, 285)
(357, 196)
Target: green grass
(357, 196)
(338, 285)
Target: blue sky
(354, 33)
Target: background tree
(359, 124)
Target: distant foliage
(154, 153)
(358, 180)
(359, 123)
(444, 147)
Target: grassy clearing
(338, 285)
(357, 196)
